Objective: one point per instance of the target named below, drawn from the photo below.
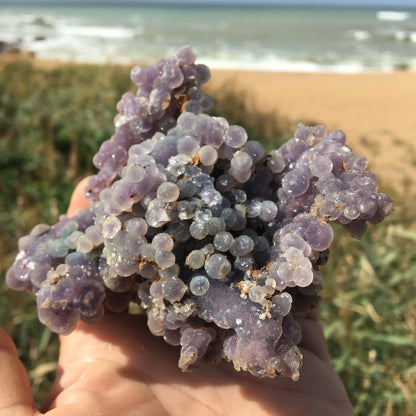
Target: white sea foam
(277, 64)
(103, 32)
(361, 35)
(393, 15)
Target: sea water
(247, 38)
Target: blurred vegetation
(51, 123)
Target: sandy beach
(375, 110)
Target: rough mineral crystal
(219, 242)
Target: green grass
(53, 121)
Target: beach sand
(375, 110)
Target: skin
(116, 367)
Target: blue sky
(376, 3)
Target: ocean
(345, 40)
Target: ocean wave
(360, 35)
(393, 15)
(277, 64)
(271, 41)
(103, 32)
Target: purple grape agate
(219, 242)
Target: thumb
(78, 199)
(16, 397)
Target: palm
(116, 367)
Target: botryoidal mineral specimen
(218, 241)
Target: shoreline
(375, 110)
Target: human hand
(117, 367)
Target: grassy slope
(53, 121)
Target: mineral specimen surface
(218, 241)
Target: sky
(368, 3)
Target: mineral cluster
(217, 240)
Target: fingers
(313, 338)
(15, 392)
(78, 200)
(312, 314)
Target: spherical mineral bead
(237, 196)
(224, 183)
(84, 244)
(187, 188)
(321, 166)
(185, 55)
(218, 266)
(168, 192)
(172, 75)
(71, 240)
(179, 231)
(207, 155)
(215, 225)
(210, 196)
(241, 162)
(208, 249)
(282, 303)
(94, 235)
(57, 248)
(268, 211)
(195, 259)
(136, 226)
(68, 229)
(162, 242)
(223, 241)
(156, 289)
(173, 289)
(193, 106)
(255, 150)
(148, 252)
(199, 229)
(257, 294)
(164, 259)
(168, 273)
(241, 167)
(187, 122)
(206, 102)
(147, 270)
(319, 235)
(303, 276)
(229, 216)
(294, 240)
(276, 163)
(261, 244)
(242, 245)
(243, 262)
(188, 145)
(203, 215)
(235, 137)
(296, 182)
(43, 228)
(184, 210)
(253, 209)
(134, 173)
(202, 73)
(199, 285)
(156, 217)
(110, 227)
(63, 269)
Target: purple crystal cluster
(217, 240)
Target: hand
(117, 367)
